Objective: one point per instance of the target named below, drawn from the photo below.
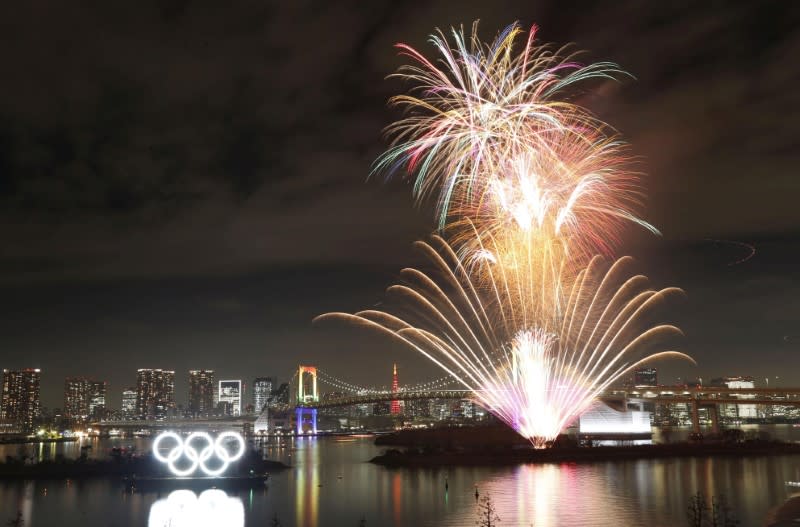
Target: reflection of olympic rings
(197, 459)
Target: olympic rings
(197, 459)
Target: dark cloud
(164, 157)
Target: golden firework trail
(536, 371)
(530, 187)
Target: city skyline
(181, 394)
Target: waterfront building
(440, 409)
(9, 426)
(262, 389)
(645, 377)
(363, 410)
(155, 393)
(280, 395)
(76, 400)
(603, 423)
(670, 414)
(230, 397)
(382, 408)
(201, 392)
(97, 399)
(21, 402)
(418, 408)
(84, 399)
(129, 403)
(737, 411)
(465, 409)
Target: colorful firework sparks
(537, 371)
(530, 187)
(494, 137)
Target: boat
(195, 483)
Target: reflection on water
(183, 508)
(91, 447)
(307, 483)
(331, 483)
(553, 495)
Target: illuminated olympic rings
(198, 459)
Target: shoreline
(410, 458)
(139, 468)
(29, 440)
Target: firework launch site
(497, 445)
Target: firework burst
(495, 136)
(535, 370)
(530, 187)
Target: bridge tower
(302, 396)
(303, 413)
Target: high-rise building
(20, 399)
(84, 399)
(230, 397)
(280, 395)
(129, 403)
(645, 377)
(155, 393)
(76, 399)
(201, 392)
(97, 399)
(262, 389)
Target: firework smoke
(535, 371)
(529, 188)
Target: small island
(497, 445)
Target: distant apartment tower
(262, 390)
(97, 399)
(201, 392)
(155, 393)
(129, 403)
(76, 399)
(84, 399)
(20, 399)
(230, 397)
(645, 377)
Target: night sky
(184, 184)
